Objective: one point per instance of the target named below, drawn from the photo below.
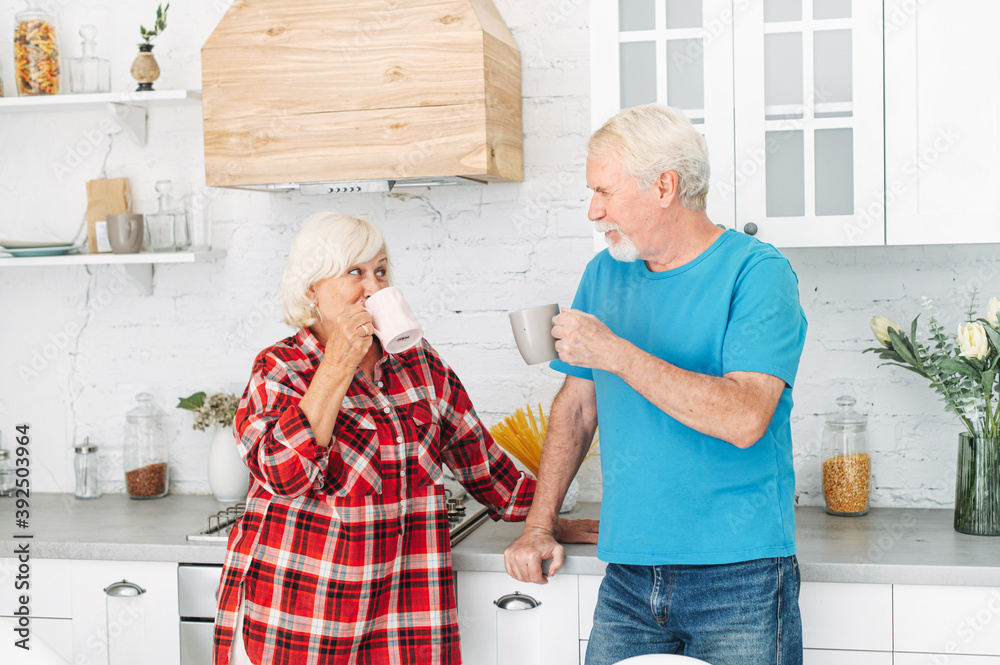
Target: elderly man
(683, 343)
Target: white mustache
(604, 227)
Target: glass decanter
(162, 226)
(88, 73)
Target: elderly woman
(343, 555)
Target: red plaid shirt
(343, 555)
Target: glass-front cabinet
(673, 52)
(788, 94)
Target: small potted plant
(228, 475)
(144, 68)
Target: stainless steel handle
(750, 229)
(124, 588)
(516, 601)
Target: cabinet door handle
(516, 601)
(750, 229)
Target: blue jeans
(732, 614)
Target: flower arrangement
(963, 370)
(215, 409)
(158, 27)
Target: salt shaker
(85, 463)
(847, 464)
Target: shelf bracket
(140, 275)
(132, 119)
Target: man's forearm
(570, 432)
(736, 408)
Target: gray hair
(651, 140)
(328, 245)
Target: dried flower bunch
(215, 409)
(963, 370)
(158, 27)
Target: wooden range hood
(300, 92)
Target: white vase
(228, 476)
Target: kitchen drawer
(942, 659)
(835, 657)
(196, 643)
(50, 591)
(589, 586)
(947, 619)
(856, 617)
(198, 590)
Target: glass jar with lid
(36, 53)
(145, 456)
(847, 463)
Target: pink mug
(395, 324)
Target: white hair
(328, 245)
(652, 139)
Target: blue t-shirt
(673, 495)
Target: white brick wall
(78, 347)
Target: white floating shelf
(138, 267)
(98, 100)
(112, 259)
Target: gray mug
(533, 333)
(125, 233)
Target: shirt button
(399, 439)
(388, 410)
(380, 384)
(402, 474)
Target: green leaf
(987, 380)
(956, 365)
(900, 346)
(909, 367)
(192, 402)
(913, 327)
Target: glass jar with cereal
(847, 463)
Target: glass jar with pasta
(36, 53)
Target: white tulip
(972, 340)
(880, 326)
(992, 309)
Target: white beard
(624, 250)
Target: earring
(314, 308)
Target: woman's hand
(576, 531)
(350, 338)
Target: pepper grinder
(85, 463)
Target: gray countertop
(887, 546)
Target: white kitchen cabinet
(674, 52)
(833, 657)
(947, 619)
(548, 634)
(942, 101)
(846, 616)
(809, 121)
(788, 94)
(942, 659)
(72, 614)
(589, 585)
